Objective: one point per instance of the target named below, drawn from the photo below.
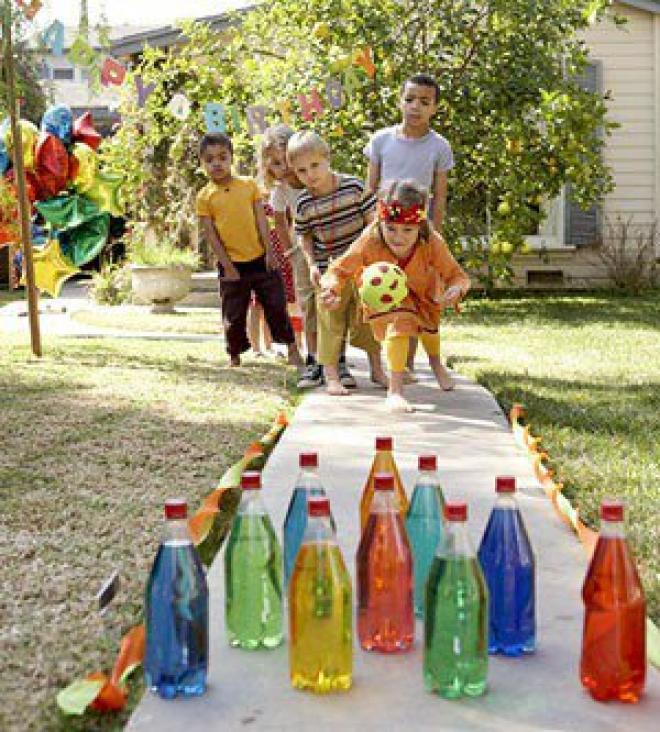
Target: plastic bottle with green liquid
(456, 614)
(253, 573)
(320, 608)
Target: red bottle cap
(456, 511)
(505, 484)
(611, 510)
(176, 508)
(309, 460)
(428, 462)
(384, 443)
(384, 482)
(318, 506)
(251, 480)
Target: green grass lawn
(95, 436)
(587, 368)
(7, 296)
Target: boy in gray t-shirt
(412, 149)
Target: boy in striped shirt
(330, 214)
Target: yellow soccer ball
(383, 287)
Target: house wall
(630, 58)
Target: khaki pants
(305, 291)
(343, 324)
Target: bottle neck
(308, 478)
(612, 530)
(251, 503)
(383, 502)
(427, 479)
(319, 529)
(176, 531)
(456, 542)
(506, 501)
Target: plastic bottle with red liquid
(385, 620)
(613, 663)
(383, 462)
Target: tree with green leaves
(511, 103)
(27, 64)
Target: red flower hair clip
(394, 213)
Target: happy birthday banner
(113, 73)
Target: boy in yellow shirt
(234, 223)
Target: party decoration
(335, 93)
(8, 214)
(364, 59)
(85, 132)
(214, 117)
(179, 107)
(256, 118)
(31, 7)
(29, 136)
(51, 165)
(53, 37)
(351, 81)
(383, 287)
(112, 72)
(85, 167)
(58, 121)
(85, 242)
(144, 92)
(67, 212)
(82, 54)
(51, 268)
(33, 188)
(310, 106)
(4, 158)
(105, 193)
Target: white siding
(628, 58)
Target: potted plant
(161, 270)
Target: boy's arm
(307, 245)
(439, 199)
(373, 177)
(264, 235)
(211, 235)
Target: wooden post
(19, 177)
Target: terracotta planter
(160, 286)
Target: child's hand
(230, 273)
(271, 263)
(315, 275)
(451, 296)
(330, 299)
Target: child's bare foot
(335, 388)
(442, 376)
(379, 377)
(234, 361)
(397, 404)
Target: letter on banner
(351, 81)
(144, 92)
(179, 106)
(112, 72)
(235, 118)
(214, 117)
(82, 54)
(364, 59)
(310, 107)
(334, 91)
(30, 8)
(53, 37)
(256, 119)
(284, 108)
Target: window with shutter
(583, 227)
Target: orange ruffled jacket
(430, 271)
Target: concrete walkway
(250, 690)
